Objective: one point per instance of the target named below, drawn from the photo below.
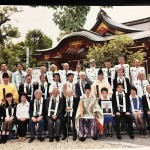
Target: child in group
(108, 119)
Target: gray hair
(82, 73)
(38, 90)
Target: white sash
(124, 102)
(148, 101)
(7, 113)
(25, 90)
(50, 105)
(81, 89)
(138, 103)
(125, 84)
(1, 77)
(67, 101)
(71, 86)
(45, 87)
(41, 106)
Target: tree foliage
(7, 32)
(113, 49)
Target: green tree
(36, 39)
(114, 48)
(7, 32)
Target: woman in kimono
(137, 111)
(9, 117)
(108, 119)
(89, 116)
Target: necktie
(109, 73)
(27, 88)
(121, 102)
(38, 106)
(57, 84)
(78, 77)
(42, 88)
(66, 73)
(69, 102)
(83, 86)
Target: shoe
(74, 138)
(5, 139)
(31, 140)
(64, 137)
(57, 138)
(82, 139)
(119, 137)
(95, 138)
(20, 139)
(2, 138)
(41, 139)
(131, 136)
(51, 139)
(145, 134)
(23, 139)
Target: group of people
(58, 100)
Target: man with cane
(70, 108)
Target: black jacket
(114, 103)
(59, 113)
(145, 105)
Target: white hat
(92, 60)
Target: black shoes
(95, 138)
(51, 139)
(119, 137)
(64, 137)
(41, 139)
(3, 139)
(74, 138)
(57, 138)
(82, 139)
(31, 140)
(131, 136)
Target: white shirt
(22, 110)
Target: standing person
(99, 84)
(80, 86)
(63, 73)
(108, 119)
(18, 77)
(54, 111)
(125, 67)
(123, 80)
(89, 116)
(109, 73)
(9, 117)
(92, 71)
(7, 88)
(135, 71)
(27, 88)
(77, 73)
(70, 108)
(37, 116)
(137, 111)
(121, 107)
(56, 84)
(4, 70)
(141, 84)
(22, 115)
(146, 106)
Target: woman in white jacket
(22, 115)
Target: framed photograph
(106, 106)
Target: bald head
(69, 92)
(66, 66)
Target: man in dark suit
(121, 108)
(43, 86)
(80, 86)
(123, 80)
(27, 88)
(146, 106)
(70, 108)
(54, 110)
(37, 115)
(106, 109)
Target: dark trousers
(148, 121)
(51, 125)
(65, 125)
(40, 128)
(128, 118)
(22, 128)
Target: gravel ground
(102, 143)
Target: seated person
(146, 106)
(54, 107)
(108, 119)
(121, 108)
(37, 115)
(9, 117)
(22, 115)
(88, 115)
(137, 111)
(70, 108)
